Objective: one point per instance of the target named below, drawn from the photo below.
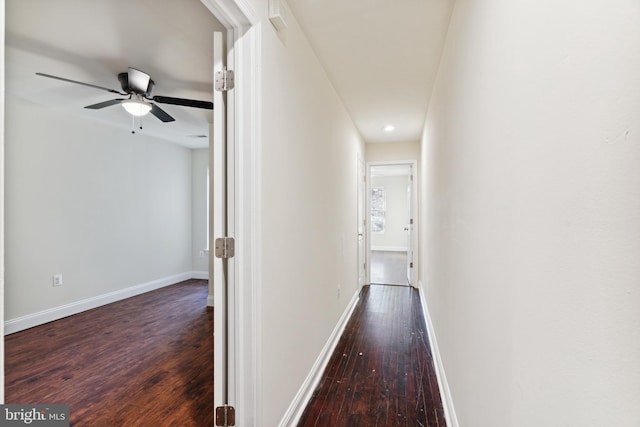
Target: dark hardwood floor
(382, 371)
(143, 361)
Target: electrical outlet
(57, 280)
(201, 254)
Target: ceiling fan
(138, 85)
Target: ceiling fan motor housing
(124, 82)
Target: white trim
(243, 24)
(55, 313)
(250, 226)
(389, 248)
(298, 405)
(2, 254)
(233, 14)
(247, 229)
(202, 275)
(445, 394)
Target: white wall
(199, 218)
(105, 208)
(381, 152)
(309, 218)
(532, 204)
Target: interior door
(362, 247)
(221, 260)
(410, 226)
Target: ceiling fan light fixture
(136, 108)
(138, 85)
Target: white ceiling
(382, 57)
(94, 40)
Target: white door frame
(243, 124)
(414, 215)
(362, 222)
(221, 271)
(2, 18)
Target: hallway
(381, 373)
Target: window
(378, 209)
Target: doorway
(232, 220)
(391, 223)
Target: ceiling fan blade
(138, 81)
(105, 104)
(161, 114)
(80, 83)
(184, 102)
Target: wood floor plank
(143, 361)
(382, 371)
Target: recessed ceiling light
(389, 128)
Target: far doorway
(391, 222)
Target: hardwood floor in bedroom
(382, 371)
(143, 361)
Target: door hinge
(225, 247)
(410, 265)
(225, 416)
(224, 80)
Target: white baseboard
(445, 393)
(299, 403)
(204, 275)
(389, 248)
(55, 313)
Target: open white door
(410, 226)
(222, 257)
(362, 225)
